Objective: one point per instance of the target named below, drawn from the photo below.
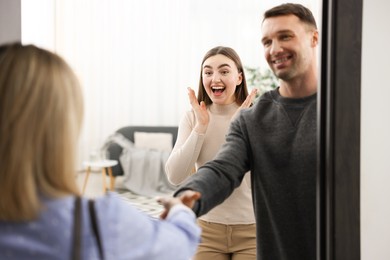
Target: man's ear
(314, 39)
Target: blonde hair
(41, 112)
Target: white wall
(38, 23)
(375, 132)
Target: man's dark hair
(303, 13)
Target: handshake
(187, 198)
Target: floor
(94, 188)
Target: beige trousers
(226, 242)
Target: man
(276, 140)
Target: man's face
(288, 46)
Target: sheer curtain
(135, 59)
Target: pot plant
(262, 79)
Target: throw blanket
(144, 172)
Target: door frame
(338, 182)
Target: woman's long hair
(41, 110)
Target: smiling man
(289, 44)
(276, 140)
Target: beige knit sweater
(194, 150)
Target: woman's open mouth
(218, 90)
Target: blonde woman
(229, 230)
(41, 213)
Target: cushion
(155, 141)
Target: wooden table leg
(112, 178)
(104, 179)
(86, 178)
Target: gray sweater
(275, 140)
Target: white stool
(106, 166)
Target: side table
(105, 165)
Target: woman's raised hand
(249, 99)
(200, 110)
(247, 102)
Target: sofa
(114, 150)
